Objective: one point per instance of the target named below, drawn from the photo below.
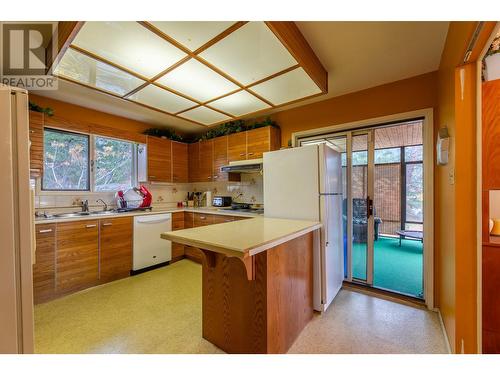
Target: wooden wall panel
(36, 122)
(491, 299)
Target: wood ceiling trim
(290, 36)
(128, 100)
(65, 33)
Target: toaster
(220, 201)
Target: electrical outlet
(451, 176)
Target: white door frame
(428, 144)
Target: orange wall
(72, 112)
(455, 204)
(402, 96)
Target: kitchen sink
(103, 212)
(81, 213)
(73, 214)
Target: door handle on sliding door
(369, 207)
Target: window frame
(91, 164)
(89, 153)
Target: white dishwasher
(149, 248)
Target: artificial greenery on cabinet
(36, 108)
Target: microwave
(219, 201)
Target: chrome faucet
(104, 203)
(85, 205)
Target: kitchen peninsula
(257, 281)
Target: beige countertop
(243, 238)
(154, 211)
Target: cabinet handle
(107, 224)
(243, 154)
(216, 176)
(90, 225)
(250, 153)
(45, 231)
(152, 176)
(209, 177)
(202, 217)
(32, 131)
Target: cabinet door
(179, 162)
(201, 220)
(220, 158)
(177, 220)
(177, 248)
(36, 137)
(206, 160)
(188, 220)
(262, 140)
(237, 146)
(159, 159)
(77, 258)
(115, 255)
(193, 161)
(44, 269)
(491, 298)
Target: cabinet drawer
(203, 219)
(218, 219)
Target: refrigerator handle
(369, 206)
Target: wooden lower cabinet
(44, 269)
(177, 248)
(77, 259)
(115, 248)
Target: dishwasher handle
(149, 221)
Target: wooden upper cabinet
(77, 259)
(159, 159)
(206, 167)
(180, 166)
(115, 255)
(193, 161)
(36, 121)
(262, 140)
(237, 146)
(220, 158)
(44, 269)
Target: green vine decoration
(36, 108)
(232, 127)
(163, 133)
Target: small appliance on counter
(220, 201)
(134, 198)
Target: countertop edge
(240, 253)
(54, 220)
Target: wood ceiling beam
(61, 39)
(291, 37)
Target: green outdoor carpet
(399, 269)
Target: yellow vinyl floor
(160, 312)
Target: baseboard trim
(443, 328)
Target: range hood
(243, 166)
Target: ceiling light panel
(204, 115)
(130, 45)
(81, 68)
(249, 54)
(287, 87)
(197, 81)
(239, 104)
(157, 97)
(192, 35)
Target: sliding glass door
(382, 174)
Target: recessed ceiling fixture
(203, 72)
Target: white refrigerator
(305, 183)
(16, 219)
